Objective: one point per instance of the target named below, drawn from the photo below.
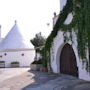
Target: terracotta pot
(45, 69)
(14, 65)
(37, 67)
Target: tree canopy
(38, 40)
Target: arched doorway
(68, 64)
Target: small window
(22, 54)
(0, 56)
(5, 54)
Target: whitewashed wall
(62, 4)
(58, 44)
(38, 56)
(16, 55)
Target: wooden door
(68, 63)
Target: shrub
(37, 62)
(15, 62)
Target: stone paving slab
(29, 78)
(34, 80)
(62, 82)
(6, 73)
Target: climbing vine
(80, 24)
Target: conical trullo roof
(14, 40)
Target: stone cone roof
(14, 40)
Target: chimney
(15, 21)
(55, 14)
(55, 18)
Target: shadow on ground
(40, 78)
(45, 81)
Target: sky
(32, 16)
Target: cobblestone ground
(34, 80)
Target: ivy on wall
(80, 10)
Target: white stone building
(14, 48)
(64, 56)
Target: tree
(38, 40)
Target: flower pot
(39, 67)
(14, 65)
(45, 69)
(33, 67)
(2, 64)
(36, 67)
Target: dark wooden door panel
(68, 63)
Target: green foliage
(38, 40)
(44, 56)
(80, 24)
(37, 62)
(15, 62)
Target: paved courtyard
(6, 73)
(24, 79)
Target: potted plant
(15, 64)
(2, 64)
(36, 65)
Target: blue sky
(32, 16)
